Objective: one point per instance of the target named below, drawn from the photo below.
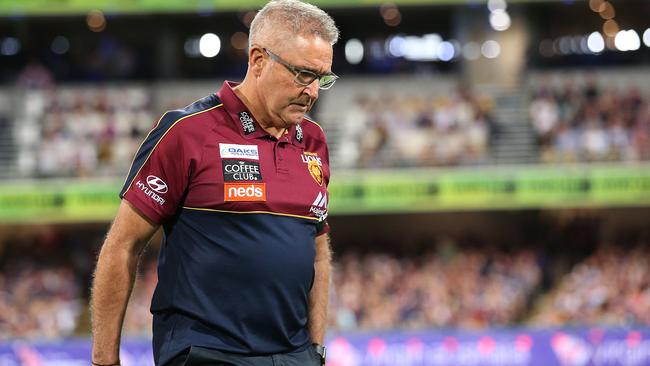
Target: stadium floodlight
(354, 51)
(633, 38)
(9, 46)
(596, 42)
(395, 46)
(209, 45)
(500, 20)
(423, 48)
(646, 37)
(472, 51)
(491, 49)
(627, 40)
(495, 5)
(446, 51)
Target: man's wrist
(106, 364)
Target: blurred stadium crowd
(396, 130)
(76, 131)
(590, 123)
(449, 284)
(81, 132)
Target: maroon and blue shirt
(240, 211)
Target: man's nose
(312, 89)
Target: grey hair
(293, 17)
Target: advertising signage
(72, 7)
(439, 347)
(395, 191)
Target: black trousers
(201, 356)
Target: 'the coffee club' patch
(240, 170)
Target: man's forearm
(112, 285)
(319, 295)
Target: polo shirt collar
(246, 123)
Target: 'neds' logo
(233, 192)
(157, 184)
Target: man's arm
(113, 282)
(319, 295)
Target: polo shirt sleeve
(159, 175)
(323, 227)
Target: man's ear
(256, 60)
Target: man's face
(285, 100)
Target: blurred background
(490, 194)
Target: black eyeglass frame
(324, 85)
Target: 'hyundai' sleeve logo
(156, 184)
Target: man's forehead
(309, 53)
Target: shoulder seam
(314, 122)
(179, 119)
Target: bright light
(491, 49)
(395, 46)
(60, 45)
(595, 42)
(621, 41)
(500, 20)
(446, 51)
(633, 38)
(96, 20)
(423, 48)
(646, 37)
(595, 5)
(209, 45)
(606, 10)
(472, 51)
(495, 5)
(354, 51)
(627, 40)
(610, 28)
(9, 46)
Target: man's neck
(248, 96)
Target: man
(238, 180)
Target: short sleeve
(159, 175)
(323, 226)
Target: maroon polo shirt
(240, 210)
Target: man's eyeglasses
(305, 77)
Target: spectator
(465, 288)
(409, 131)
(590, 124)
(611, 287)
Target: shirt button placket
(280, 158)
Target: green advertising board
(69, 7)
(488, 189)
(367, 192)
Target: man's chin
(293, 118)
